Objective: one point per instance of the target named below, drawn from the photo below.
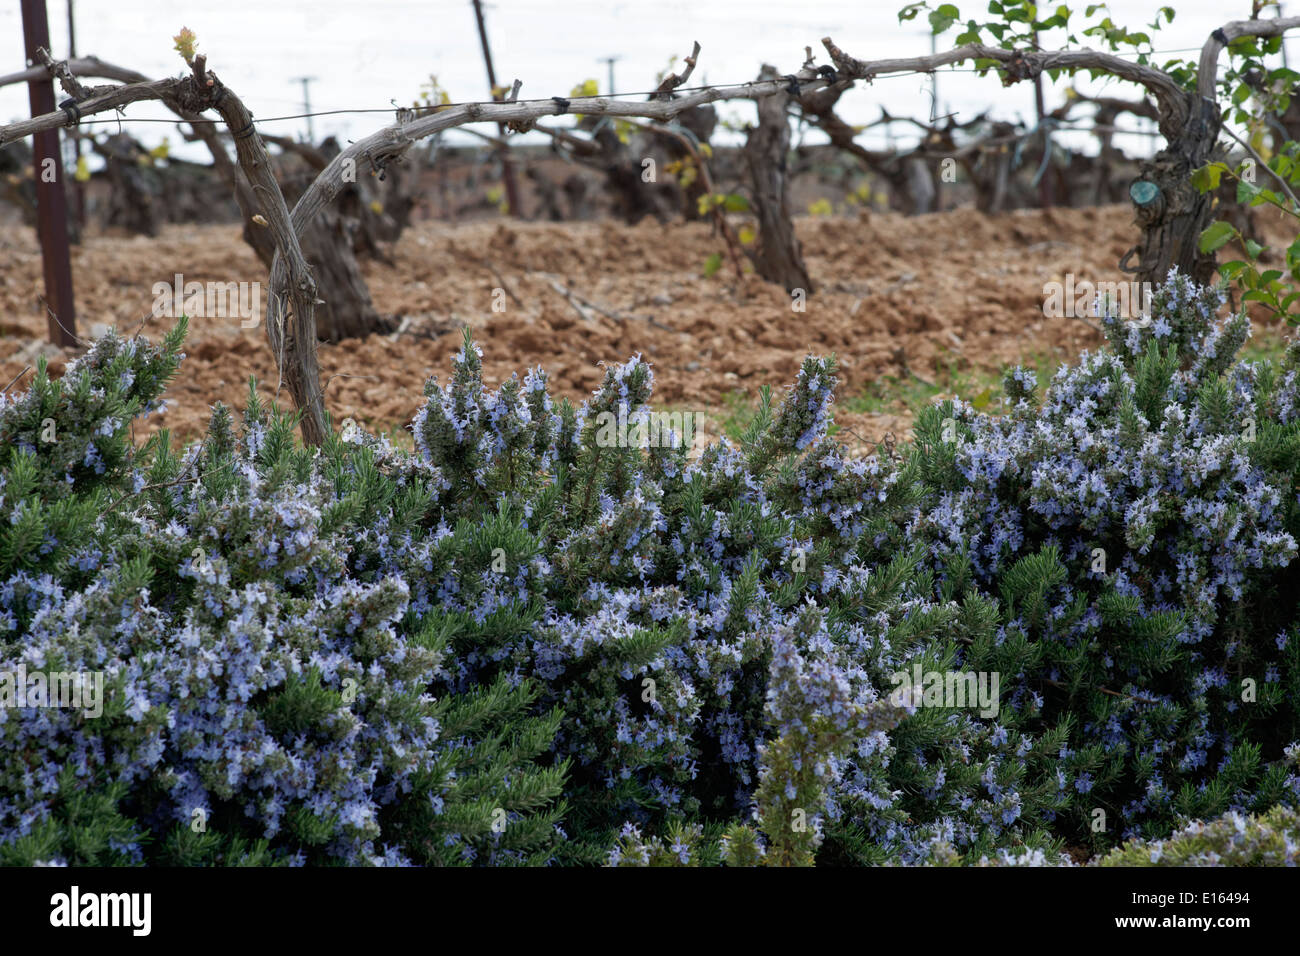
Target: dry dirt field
(894, 296)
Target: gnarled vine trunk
(1174, 215)
(345, 309)
(778, 256)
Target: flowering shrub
(1270, 839)
(520, 644)
(647, 592)
(1138, 523)
(66, 447)
(264, 703)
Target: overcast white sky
(365, 53)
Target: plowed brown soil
(894, 295)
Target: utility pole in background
(79, 190)
(1044, 185)
(507, 163)
(306, 105)
(51, 203)
(934, 82)
(609, 61)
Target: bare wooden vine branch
(1020, 65)
(60, 71)
(1208, 68)
(110, 99)
(81, 66)
(674, 80)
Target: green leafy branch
(1275, 289)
